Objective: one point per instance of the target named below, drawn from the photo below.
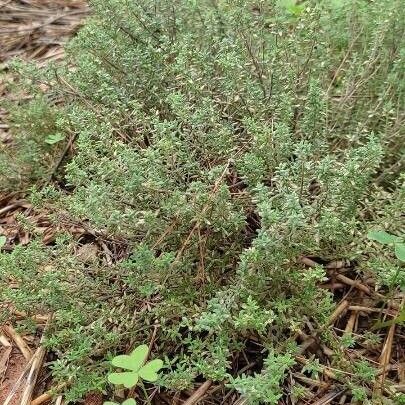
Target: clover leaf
(149, 371)
(128, 380)
(135, 363)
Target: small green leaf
(336, 3)
(296, 9)
(291, 7)
(149, 371)
(128, 379)
(3, 240)
(54, 138)
(129, 401)
(400, 251)
(383, 237)
(133, 361)
(123, 361)
(398, 320)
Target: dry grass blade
(351, 322)
(35, 368)
(32, 376)
(4, 341)
(42, 398)
(385, 358)
(338, 311)
(328, 398)
(12, 206)
(47, 396)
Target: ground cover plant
(208, 147)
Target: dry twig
(19, 341)
(196, 396)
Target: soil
(14, 364)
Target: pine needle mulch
(38, 29)
(35, 30)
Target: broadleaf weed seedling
(398, 244)
(386, 238)
(135, 363)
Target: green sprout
(386, 238)
(398, 244)
(54, 138)
(135, 363)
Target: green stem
(146, 394)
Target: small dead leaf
(87, 253)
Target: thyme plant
(215, 143)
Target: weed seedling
(135, 363)
(398, 244)
(386, 238)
